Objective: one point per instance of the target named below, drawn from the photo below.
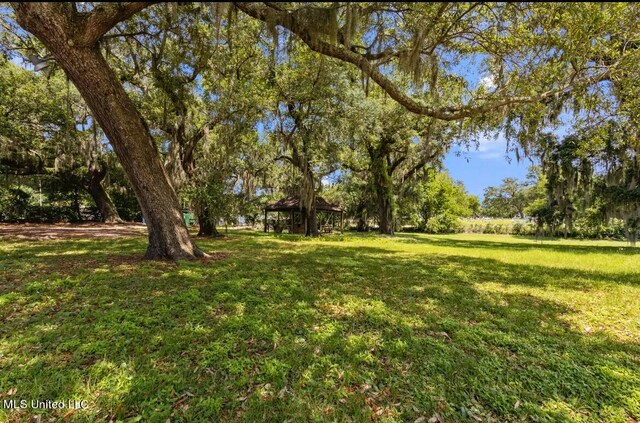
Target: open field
(282, 328)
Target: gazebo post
(291, 222)
(266, 227)
(341, 222)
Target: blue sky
(486, 166)
(490, 163)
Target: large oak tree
(73, 39)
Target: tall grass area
(497, 226)
(582, 229)
(342, 328)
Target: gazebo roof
(292, 202)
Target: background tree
(389, 146)
(435, 202)
(308, 115)
(594, 171)
(47, 133)
(509, 199)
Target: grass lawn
(353, 328)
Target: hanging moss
(574, 182)
(320, 22)
(411, 61)
(352, 15)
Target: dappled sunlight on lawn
(337, 328)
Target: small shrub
(15, 202)
(443, 224)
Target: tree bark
(631, 229)
(76, 204)
(106, 208)
(386, 213)
(568, 228)
(309, 193)
(57, 27)
(207, 227)
(383, 186)
(312, 219)
(361, 211)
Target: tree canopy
(214, 106)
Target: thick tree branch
(16, 166)
(128, 34)
(284, 157)
(289, 20)
(417, 167)
(104, 17)
(354, 168)
(83, 29)
(396, 163)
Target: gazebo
(294, 215)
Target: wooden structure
(292, 216)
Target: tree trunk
(632, 230)
(76, 204)
(361, 211)
(386, 214)
(106, 208)
(308, 201)
(569, 222)
(122, 123)
(384, 191)
(312, 219)
(207, 227)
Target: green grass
(493, 220)
(471, 327)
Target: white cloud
(490, 147)
(488, 82)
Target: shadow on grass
(305, 332)
(527, 243)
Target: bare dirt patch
(41, 232)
